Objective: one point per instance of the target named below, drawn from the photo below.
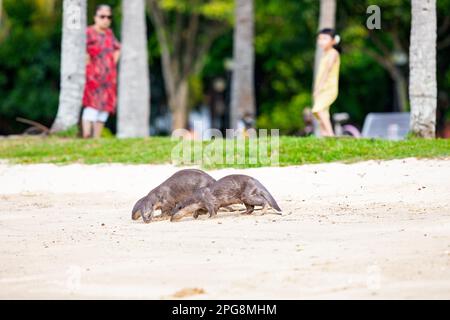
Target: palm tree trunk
(134, 83)
(327, 19)
(73, 64)
(242, 90)
(422, 82)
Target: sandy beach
(376, 229)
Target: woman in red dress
(100, 92)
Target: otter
(232, 189)
(168, 194)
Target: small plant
(72, 132)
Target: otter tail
(272, 202)
(266, 194)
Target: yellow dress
(329, 92)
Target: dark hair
(101, 6)
(332, 33)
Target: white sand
(365, 230)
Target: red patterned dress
(100, 91)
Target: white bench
(391, 126)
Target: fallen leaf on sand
(186, 292)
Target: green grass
(158, 150)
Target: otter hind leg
(211, 210)
(250, 208)
(255, 200)
(199, 212)
(265, 208)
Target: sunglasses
(105, 17)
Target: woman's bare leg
(322, 127)
(98, 128)
(324, 118)
(86, 128)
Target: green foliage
(107, 134)
(285, 46)
(363, 87)
(216, 59)
(29, 63)
(72, 132)
(288, 118)
(218, 9)
(195, 91)
(285, 35)
(30, 60)
(215, 9)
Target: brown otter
(166, 196)
(232, 189)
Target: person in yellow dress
(326, 84)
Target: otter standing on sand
(169, 193)
(232, 189)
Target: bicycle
(344, 130)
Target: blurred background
(374, 64)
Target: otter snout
(138, 207)
(136, 215)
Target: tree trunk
(179, 105)
(73, 64)
(184, 42)
(422, 83)
(327, 19)
(242, 90)
(134, 83)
